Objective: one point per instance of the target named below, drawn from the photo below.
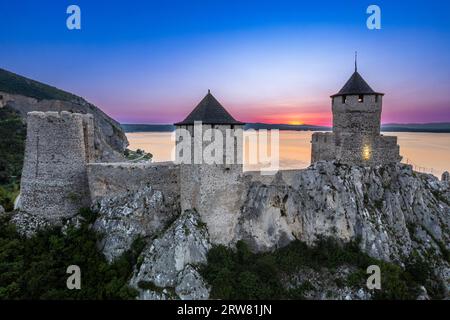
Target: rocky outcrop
(2, 210)
(123, 218)
(169, 263)
(391, 210)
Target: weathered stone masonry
(54, 179)
(356, 138)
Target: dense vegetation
(138, 155)
(241, 274)
(12, 146)
(35, 268)
(15, 84)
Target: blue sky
(270, 61)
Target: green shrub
(35, 268)
(12, 146)
(241, 274)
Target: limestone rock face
(2, 210)
(124, 218)
(169, 262)
(391, 210)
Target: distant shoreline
(419, 128)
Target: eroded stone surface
(124, 218)
(391, 210)
(169, 262)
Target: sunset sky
(265, 61)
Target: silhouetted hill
(255, 126)
(148, 127)
(438, 127)
(301, 127)
(14, 84)
(443, 127)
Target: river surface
(427, 152)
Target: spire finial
(356, 61)
(209, 91)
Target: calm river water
(428, 152)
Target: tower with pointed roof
(356, 138)
(207, 124)
(211, 168)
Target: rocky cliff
(26, 95)
(391, 212)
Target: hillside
(15, 84)
(25, 95)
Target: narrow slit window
(344, 99)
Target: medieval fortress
(60, 174)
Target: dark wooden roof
(209, 111)
(356, 85)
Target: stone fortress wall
(114, 179)
(54, 178)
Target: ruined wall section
(114, 179)
(54, 182)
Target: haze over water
(427, 152)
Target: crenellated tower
(356, 137)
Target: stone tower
(54, 182)
(356, 138)
(210, 170)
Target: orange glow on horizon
(296, 122)
(318, 119)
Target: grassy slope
(15, 84)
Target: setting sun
(296, 122)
